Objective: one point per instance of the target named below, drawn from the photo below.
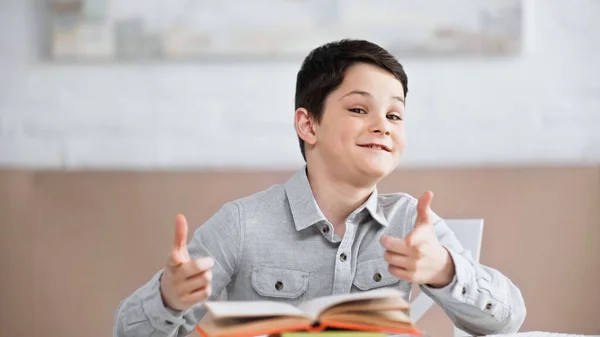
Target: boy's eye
(394, 117)
(358, 110)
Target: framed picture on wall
(111, 30)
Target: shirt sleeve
(144, 313)
(479, 300)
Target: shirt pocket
(373, 274)
(279, 282)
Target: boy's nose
(380, 125)
(384, 132)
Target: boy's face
(361, 133)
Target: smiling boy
(327, 230)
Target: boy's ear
(305, 126)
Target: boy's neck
(335, 197)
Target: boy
(327, 230)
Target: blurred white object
(469, 233)
(543, 334)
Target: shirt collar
(372, 205)
(305, 210)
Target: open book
(380, 310)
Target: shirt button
(326, 229)
(278, 285)
(168, 323)
(343, 257)
(464, 290)
(488, 306)
(377, 277)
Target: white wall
(539, 108)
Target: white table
(527, 334)
(542, 334)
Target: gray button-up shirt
(277, 245)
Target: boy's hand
(419, 257)
(184, 282)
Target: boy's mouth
(375, 146)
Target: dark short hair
(324, 68)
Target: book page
(315, 307)
(251, 327)
(234, 309)
(370, 305)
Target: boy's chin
(378, 171)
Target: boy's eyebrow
(366, 94)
